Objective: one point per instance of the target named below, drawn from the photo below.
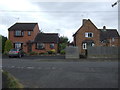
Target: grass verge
(9, 81)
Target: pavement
(39, 72)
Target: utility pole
(115, 3)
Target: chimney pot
(104, 27)
(84, 20)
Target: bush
(8, 46)
(33, 53)
(62, 52)
(5, 53)
(42, 53)
(52, 51)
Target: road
(34, 73)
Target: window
(18, 45)
(89, 34)
(52, 46)
(29, 33)
(22, 33)
(84, 45)
(113, 39)
(19, 33)
(40, 46)
(93, 44)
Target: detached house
(28, 37)
(89, 35)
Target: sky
(63, 17)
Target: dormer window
(19, 33)
(89, 34)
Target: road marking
(12, 66)
(30, 67)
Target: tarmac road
(79, 74)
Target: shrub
(42, 53)
(62, 52)
(33, 53)
(52, 51)
(5, 53)
(8, 46)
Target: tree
(8, 46)
(63, 42)
(3, 43)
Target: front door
(29, 47)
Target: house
(28, 37)
(89, 35)
(45, 42)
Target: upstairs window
(29, 33)
(89, 34)
(19, 33)
(40, 46)
(52, 46)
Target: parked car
(16, 53)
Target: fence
(103, 52)
(72, 52)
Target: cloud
(59, 17)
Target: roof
(47, 38)
(109, 33)
(22, 26)
(84, 24)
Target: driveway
(79, 74)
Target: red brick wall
(47, 48)
(80, 35)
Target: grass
(10, 81)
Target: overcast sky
(57, 17)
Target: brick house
(28, 37)
(89, 35)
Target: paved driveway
(79, 74)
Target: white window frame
(18, 45)
(52, 45)
(18, 33)
(39, 45)
(84, 45)
(87, 34)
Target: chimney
(104, 28)
(84, 20)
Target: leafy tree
(63, 39)
(63, 42)
(3, 43)
(8, 46)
